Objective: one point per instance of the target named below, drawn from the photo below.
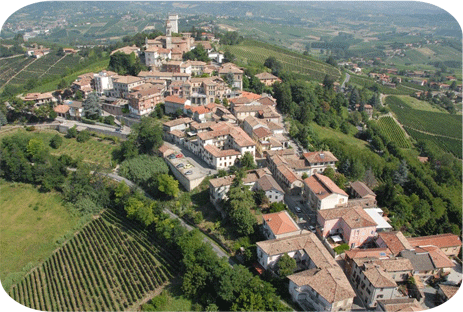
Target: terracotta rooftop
(240, 100)
(262, 132)
(222, 181)
(266, 75)
(175, 99)
(361, 189)
(449, 290)
(395, 241)
(250, 95)
(307, 241)
(214, 151)
(369, 252)
(400, 305)
(438, 257)
(252, 121)
(440, 240)
(61, 109)
(354, 217)
(280, 222)
(288, 173)
(330, 283)
(389, 265)
(265, 100)
(178, 121)
(268, 183)
(199, 110)
(378, 277)
(126, 79)
(322, 186)
(317, 157)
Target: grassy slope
(420, 105)
(31, 224)
(94, 151)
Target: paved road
(345, 81)
(71, 123)
(206, 239)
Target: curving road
(206, 239)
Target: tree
(247, 161)
(330, 60)
(168, 185)
(91, 107)
(286, 265)
(401, 174)
(147, 135)
(3, 120)
(83, 136)
(62, 84)
(125, 64)
(36, 149)
(56, 141)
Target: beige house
(449, 243)
(322, 193)
(322, 285)
(279, 225)
(267, 79)
(123, 85)
(144, 100)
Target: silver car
(298, 210)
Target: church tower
(168, 35)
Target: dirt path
(19, 72)
(52, 66)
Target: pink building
(353, 224)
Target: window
(379, 296)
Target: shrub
(72, 132)
(56, 141)
(30, 128)
(83, 136)
(88, 121)
(341, 248)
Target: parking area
(188, 171)
(307, 218)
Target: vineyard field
(100, 268)
(453, 146)
(393, 131)
(441, 124)
(291, 61)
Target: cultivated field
(420, 105)
(441, 128)
(100, 269)
(31, 224)
(393, 131)
(291, 61)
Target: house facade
(321, 192)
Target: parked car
(179, 155)
(180, 165)
(171, 156)
(298, 210)
(188, 172)
(188, 166)
(311, 228)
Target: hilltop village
(347, 255)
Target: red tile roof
(321, 156)
(395, 241)
(440, 240)
(322, 186)
(174, 99)
(280, 223)
(354, 217)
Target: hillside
(307, 67)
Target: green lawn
(31, 224)
(171, 299)
(420, 105)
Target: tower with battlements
(173, 19)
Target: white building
(103, 81)
(322, 193)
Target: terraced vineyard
(442, 129)
(450, 145)
(393, 131)
(100, 268)
(291, 61)
(441, 124)
(9, 67)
